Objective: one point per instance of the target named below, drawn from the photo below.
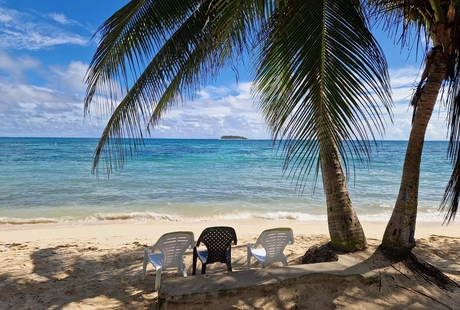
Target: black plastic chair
(218, 241)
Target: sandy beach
(99, 267)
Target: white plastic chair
(273, 242)
(172, 247)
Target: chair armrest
(147, 252)
(198, 242)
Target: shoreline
(152, 230)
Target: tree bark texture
(345, 230)
(398, 238)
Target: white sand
(99, 266)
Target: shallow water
(49, 180)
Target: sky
(45, 49)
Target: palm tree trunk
(398, 238)
(345, 230)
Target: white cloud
(26, 31)
(71, 76)
(5, 16)
(404, 77)
(62, 19)
(403, 82)
(16, 66)
(215, 112)
(41, 112)
(55, 106)
(8, 15)
(54, 109)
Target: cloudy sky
(45, 48)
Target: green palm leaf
(320, 78)
(173, 50)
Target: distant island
(233, 138)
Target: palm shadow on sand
(72, 276)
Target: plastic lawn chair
(167, 253)
(273, 242)
(218, 241)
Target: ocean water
(49, 180)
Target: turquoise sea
(49, 180)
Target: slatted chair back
(172, 246)
(168, 252)
(274, 242)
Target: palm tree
(312, 78)
(439, 19)
(315, 64)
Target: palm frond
(129, 38)
(407, 21)
(320, 78)
(157, 54)
(451, 197)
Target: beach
(57, 266)
(71, 240)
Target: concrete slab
(201, 288)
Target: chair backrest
(274, 241)
(173, 245)
(217, 241)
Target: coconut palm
(319, 76)
(439, 21)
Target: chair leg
(195, 256)
(249, 256)
(158, 279)
(284, 261)
(184, 270)
(203, 268)
(144, 267)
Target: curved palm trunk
(398, 238)
(345, 230)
